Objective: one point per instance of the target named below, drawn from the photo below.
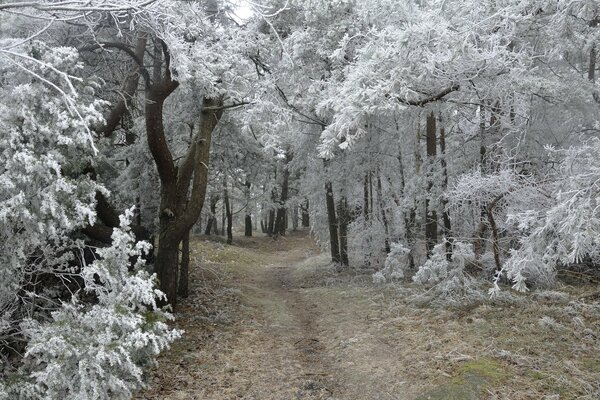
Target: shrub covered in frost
(97, 351)
(566, 232)
(67, 330)
(438, 268)
(395, 265)
(450, 283)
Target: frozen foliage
(569, 231)
(450, 284)
(395, 265)
(437, 268)
(67, 329)
(44, 146)
(97, 351)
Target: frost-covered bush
(45, 143)
(438, 268)
(97, 350)
(395, 265)
(67, 329)
(450, 283)
(566, 232)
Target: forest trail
(269, 319)
(279, 330)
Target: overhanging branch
(124, 48)
(430, 99)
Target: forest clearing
(270, 319)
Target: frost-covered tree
(59, 311)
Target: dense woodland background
(454, 144)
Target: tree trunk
(271, 215)
(430, 213)
(295, 218)
(248, 216)
(211, 224)
(408, 223)
(248, 225)
(271, 223)
(184, 267)
(446, 217)
(343, 218)
(332, 222)
(228, 212)
(166, 269)
(366, 197)
(384, 219)
(177, 215)
(495, 244)
(593, 55)
(280, 222)
(305, 215)
(223, 218)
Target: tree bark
(430, 213)
(177, 214)
(384, 218)
(494, 228)
(248, 216)
(366, 197)
(280, 222)
(211, 224)
(332, 222)
(295, 215)
(184, 268)
(271, 215)
(305, 215)
(446, 216)
(228, 212)
(343, 219)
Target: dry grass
(271, 320)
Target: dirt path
(270, 320)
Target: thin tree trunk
(430, 213)
(333, 223)
(366, 197)
(408, 224)
(271, 215)
(223, 218)
(494, 228)
(248, 216)
(295, 217)
(228, 214)
(592, 64)
(280, 222)
(305, 215)
(211, 225)
(446, 217)
(384, 218)
(343, 219)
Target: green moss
(471, 380)
(591, 364)
(487, 368)
(537, 375)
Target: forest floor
(270, 319)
